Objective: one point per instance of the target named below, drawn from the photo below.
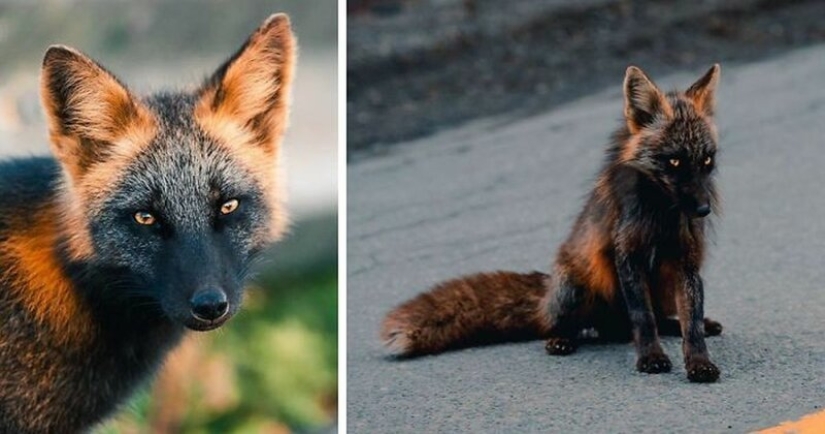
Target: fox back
(145, 225)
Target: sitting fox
(630, 264)
(143, 225)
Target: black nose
(703, 210)
(209, 304)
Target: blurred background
(272, 369)
(417, 66)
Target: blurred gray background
(415, 67)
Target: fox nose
(209, 304)
(703, 210)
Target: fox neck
(654, 211)
(107, 293)
(74, 303)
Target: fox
(142, 226)
(630, 267)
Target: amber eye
(144, 218)
(708, 161)
(675, 162)
(229, 206)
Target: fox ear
(88, 110)
(703, 92)
(643, 101)
(247, 99)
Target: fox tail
(468, 311)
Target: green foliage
(285, 352)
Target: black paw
(654, 363)
(712, 328)
(701, 371)
(560, 346)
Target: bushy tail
(472, 310)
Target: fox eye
(675, 162)
(229, 206)
(708, 160)
(144, 218)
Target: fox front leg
(690, 305)
(672, 327)
(651, 358)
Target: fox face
(673, 139)
(185, 218)
(177, 192)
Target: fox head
(672, 138)
(177, 192)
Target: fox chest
(666, 276)
(661, 266)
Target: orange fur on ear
(703, 92)
(644, 102)
(247, 100)
(88, 110)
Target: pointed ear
(643, 101)
(703, 92)
(87, 109)
(247, 99)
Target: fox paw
(702, 371)
(560, 346)
(654, 363)
(712, 328)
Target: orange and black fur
(629, 266)
(144, 225)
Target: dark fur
(74, 347)
(457, 314)
(630, 263)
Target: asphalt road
(502, 195)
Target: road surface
(502, 194)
